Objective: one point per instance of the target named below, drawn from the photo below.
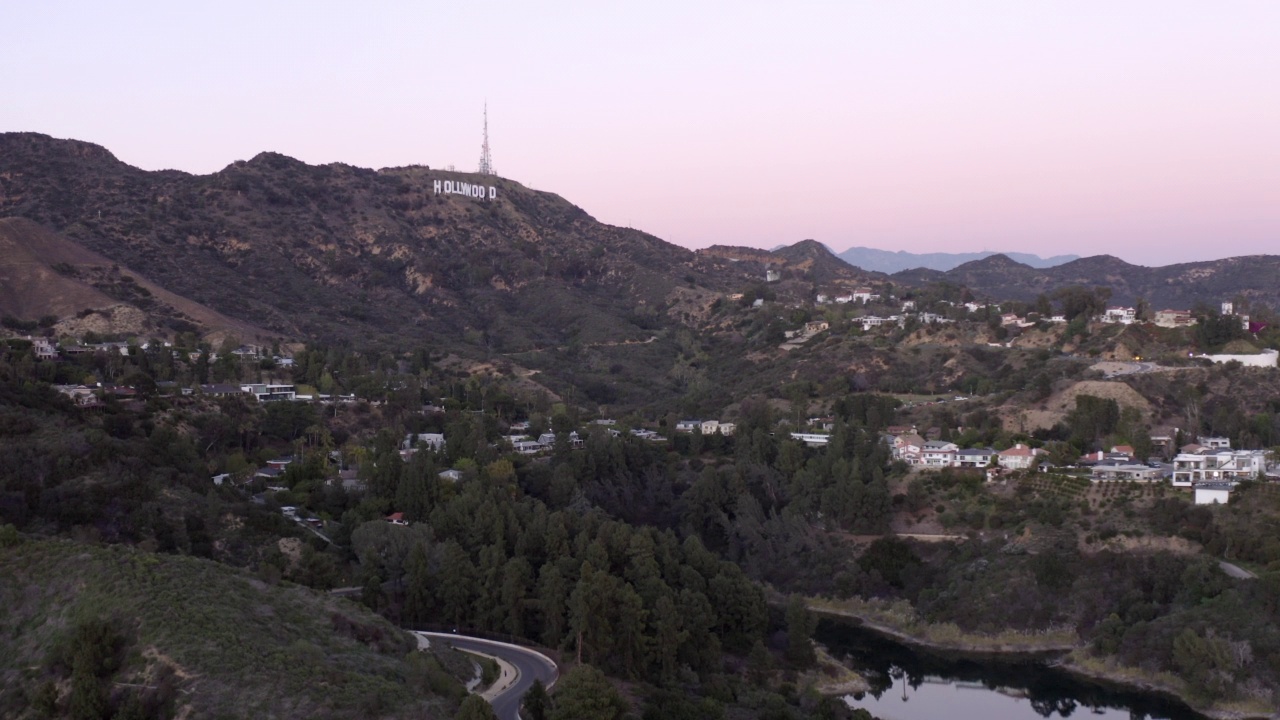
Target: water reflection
(910, 685)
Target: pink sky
(1147, 130)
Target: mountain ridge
(893, 261)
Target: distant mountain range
(1251, 278)
(887, 261)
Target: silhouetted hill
(820, 265)
(888, 261)
(1174, 286)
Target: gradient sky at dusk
(1147, 130)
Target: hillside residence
(864, 295)
(1224, 465)
(974, 457)
(397, 519)
(908, 305)
(1214, 493)
(871, 321)
(1010, 319)
(1099, 457)
(435, 441)
(844, 299)
(271, 391)
(1126, 473)
(772, 275)
(908, 447)
(44, 348)
(1174, 318)
(811, 439)
(711, 427)
(1018, 457)
(525, 446)
(688, 425)
(816, 326)
(451, 475)
(1058, 318)
(825, 424)
(1122, 315)
(974, 307)
(1214, 443)
(548, 439)
(938, 453)
(82, 396)
(822, 299)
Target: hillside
(43, 273)
(888, 261)
(1174, 286)
(204, 639)
(343, 253)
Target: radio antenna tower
(486, 162)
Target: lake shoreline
(1057, 655)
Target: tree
(475, 708)
(800, 626)
(537, 703)
(584, 693)
(668, 635)
(417, 595)
(890, 557)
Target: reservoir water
(909, 684)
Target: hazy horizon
(1139, 130)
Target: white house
(711, 427)
(1225, 465)
(864, 295)
(938, 453)
(811, 439)
(44, 348)
(908, 448)
(1122, 315)
(269, 391)
(1214, 442)
(871, 321)
(435, 441)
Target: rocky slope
(343, 253)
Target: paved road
(529, 665)
(1236, 571)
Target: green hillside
(186, 637)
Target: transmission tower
(486, 162)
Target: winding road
(521, 666)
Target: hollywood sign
(456, 187)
